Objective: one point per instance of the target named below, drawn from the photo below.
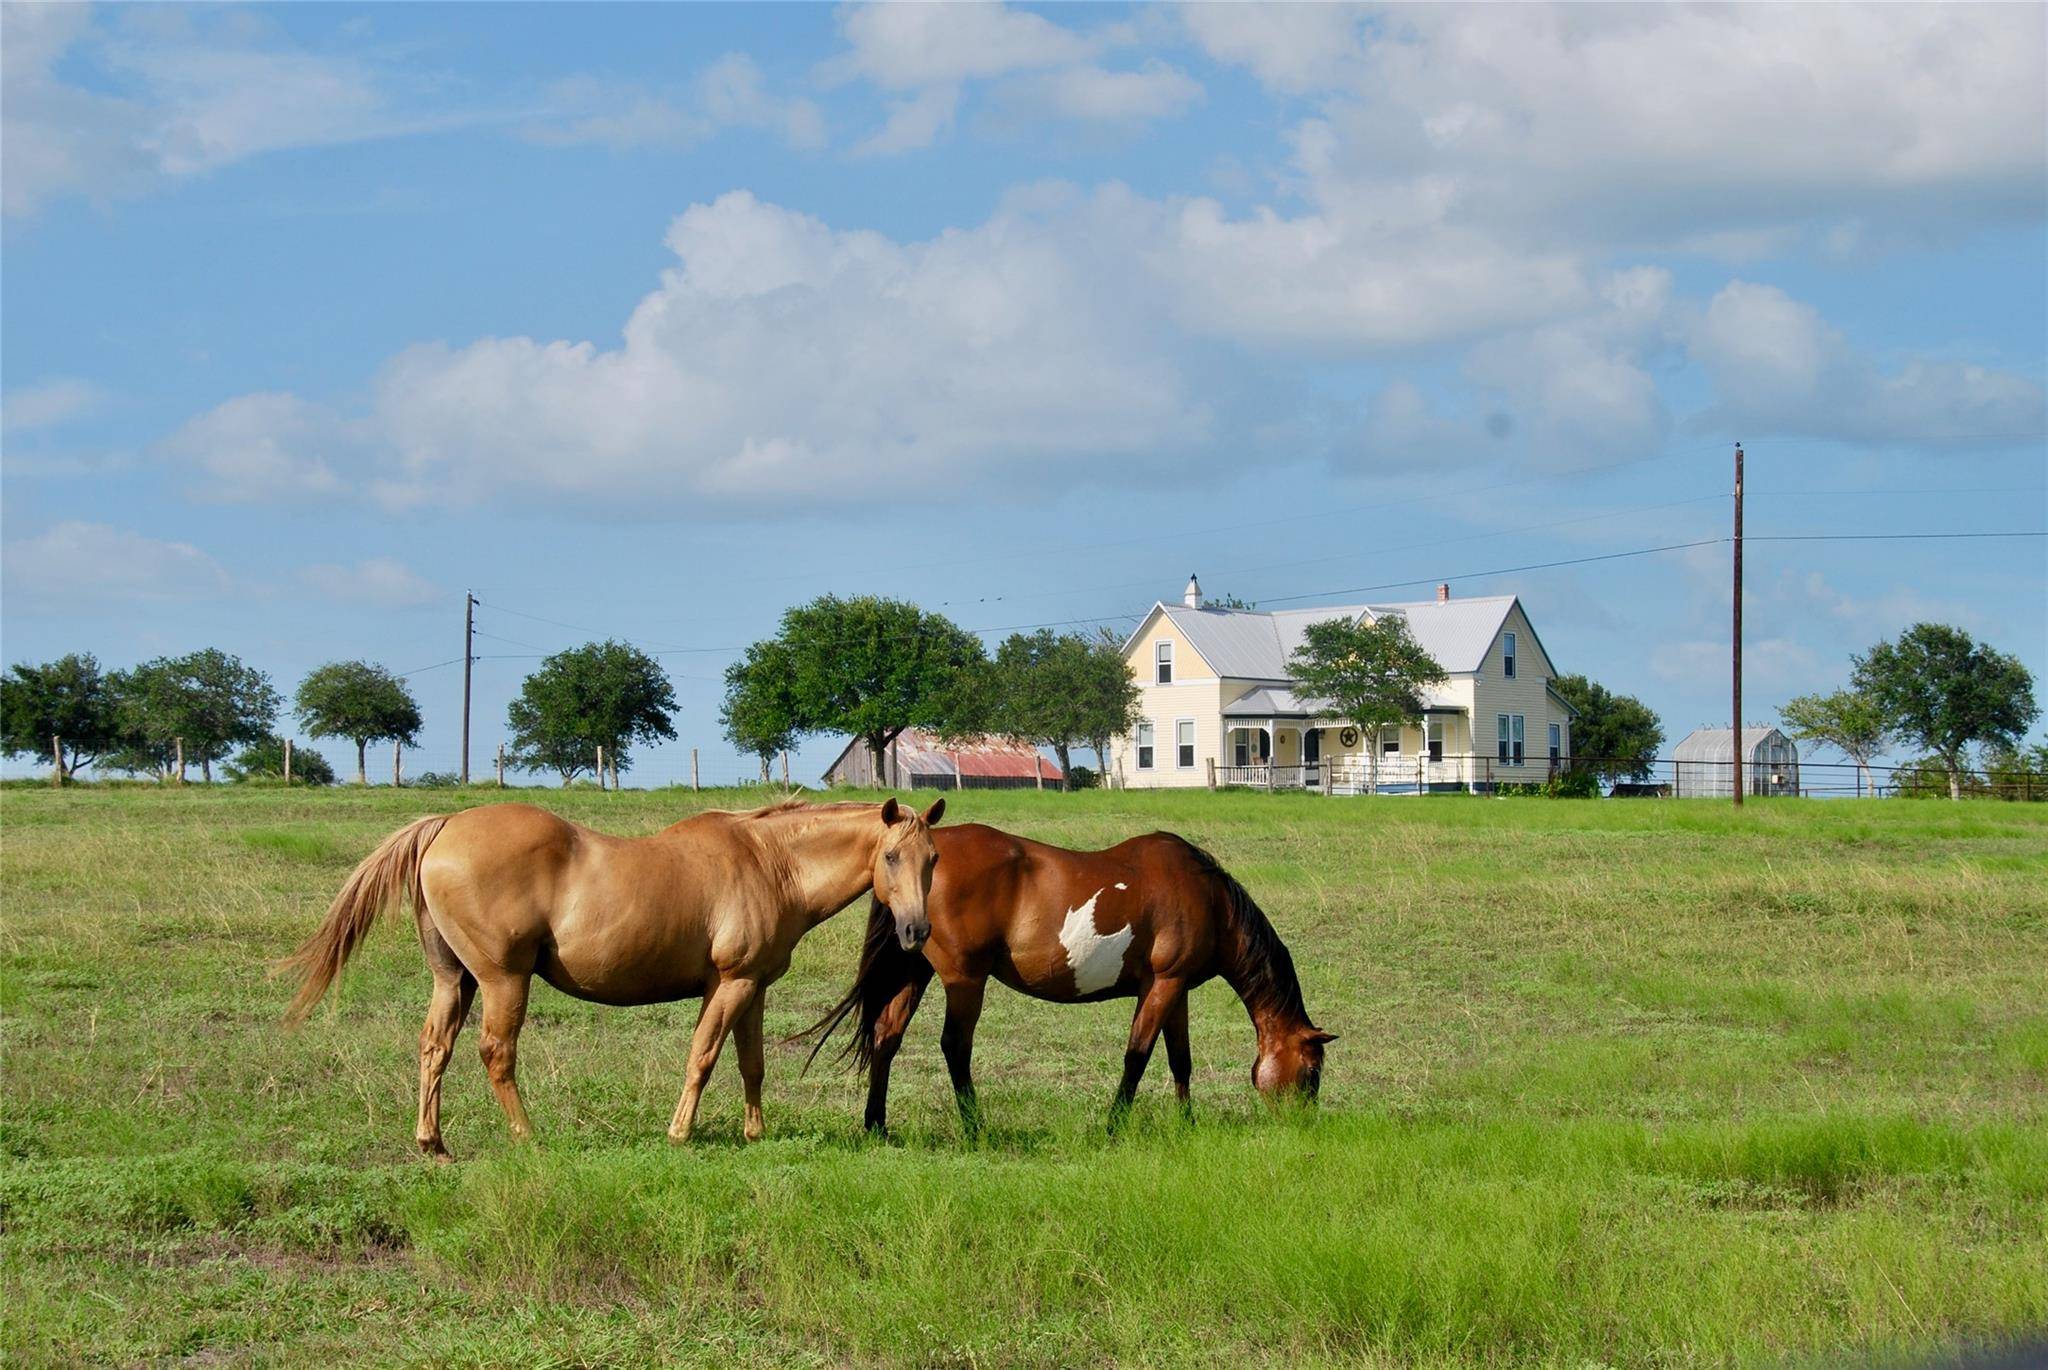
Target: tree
(69, 698)
(1614, 737)
(602, 694)
(208, 700)
(2018, 772)
(360, 701)
(263, 759)
(1113, 697)
(1371, 672)
(759, 712)
(1939, 688)
(1847, 720)
(873, 667)
(1041, 692)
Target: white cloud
(1706, 128)
(83, 565)
(48, 404)
(1290, 47)
(1094, 94)
(780, 360)
(172, 94)
(730, 93)
(265, 447)
(380, 582)
(911, 47)
(914, 121)
(1778, 367)
(926, 56)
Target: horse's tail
(885, 968)
(386, 876)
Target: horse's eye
(890, 858)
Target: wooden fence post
(1212, 772)
(287, 761)
(694, 781)
(785, 770)
(397, 764)
(181, 758)
(501, 765)
(600, 765)
(57, 755)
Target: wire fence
(1626, 778)
(2018, 779)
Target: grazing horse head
(1290, 1060)
(903, 868)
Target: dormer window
(1507, 655)
(1163, 654)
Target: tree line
(873, 668)
(863, 666)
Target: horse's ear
(935, 812)
(890, 813)
(1321, 1036)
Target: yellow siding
(1195, 694)
(1494, 694)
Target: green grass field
(1619, 1083)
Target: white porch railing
(1405, 774)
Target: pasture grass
(1618, 1083)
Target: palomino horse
(1152, 917)
(710, 906)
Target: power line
(1888, 537)
(422, 670)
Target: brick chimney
(1192, 596)
(1443, 594)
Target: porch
(1273, 740)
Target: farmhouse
(1704, 766)
(917, 760)
(1218, 706)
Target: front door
(1311, 756)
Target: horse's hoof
(676, 1138)
(436, 1151)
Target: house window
(1510, 738)
(1507, 655)
(1184, 744)
(1435, 730)
(1145, 746)
(1556, 743)
(1242, 750)
(1390, 741)
(1163, 654)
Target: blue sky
(654, 320)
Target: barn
(919, 761)
(1705, 763)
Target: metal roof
(919, 753)
(1715, 744)
(1274, 701)
(1249, 644)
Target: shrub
(263, 761)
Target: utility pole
(1736, 759)
(468, 663)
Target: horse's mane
(1266, 969)
(795, 801)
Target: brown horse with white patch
(711, 906)
(1152, 918)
